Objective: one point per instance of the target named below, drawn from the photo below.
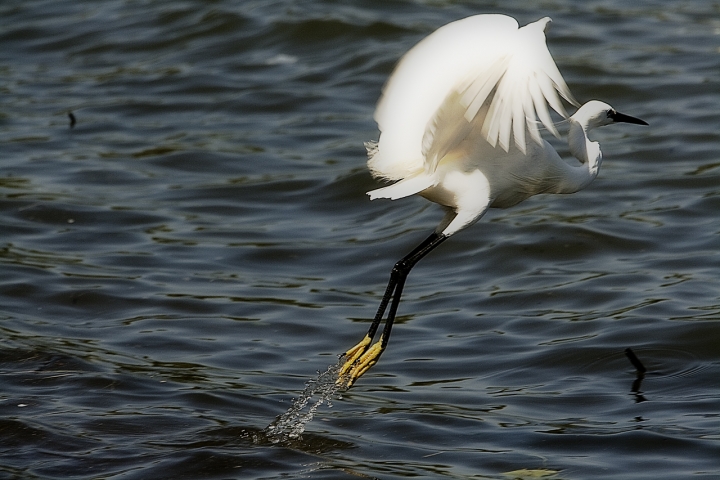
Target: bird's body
(458, 124)
(474, 175)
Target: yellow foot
(353, 354)
(359, 360)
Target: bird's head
(597, 114)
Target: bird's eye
(611, 113)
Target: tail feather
(403, 188)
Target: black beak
(621, 117)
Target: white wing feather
(440, 86)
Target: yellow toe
(353, 354)
(352, 370)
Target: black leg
(401, 271)
(361, 357)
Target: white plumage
(459, 121)
(456, 68)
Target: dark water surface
(177, 265)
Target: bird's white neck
(584, 150)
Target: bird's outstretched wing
(529, 82)
(482, 72)
(503, 98)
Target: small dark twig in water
(635, 360)
(640, 369)
(72, 119)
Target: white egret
(454, 121)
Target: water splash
(291, 424)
